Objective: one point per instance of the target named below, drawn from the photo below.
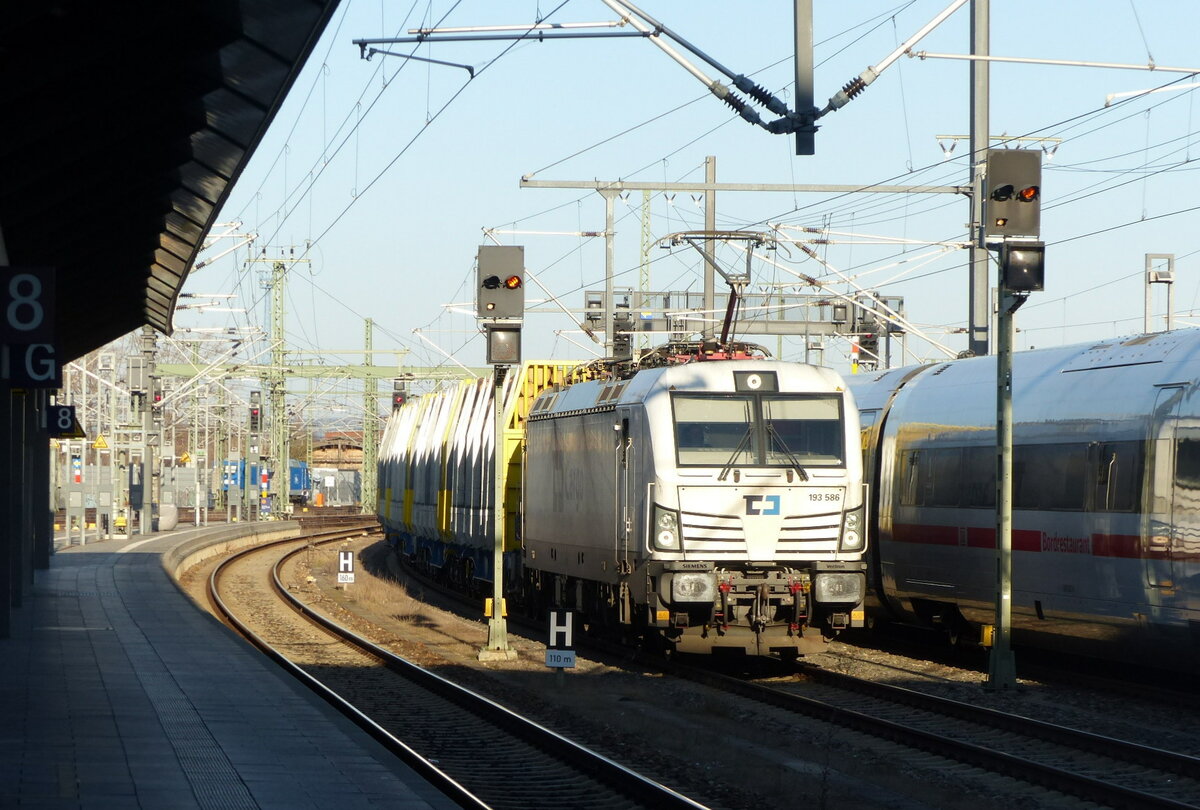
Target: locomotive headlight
(666, 528)
(693, 587)
(852, 531)
(831, 586)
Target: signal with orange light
(501, 282)
(1012, 207)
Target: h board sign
(345, 567)
(560, 645)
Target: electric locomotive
(713, 506)
(717, 504)
(1106, 496)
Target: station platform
(117, 691)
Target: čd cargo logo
(755, 504)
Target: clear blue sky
(393, 168)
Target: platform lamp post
(1012, 226)
(500, 307)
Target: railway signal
(500, 305)
(1023, 265)
(503, 344)
(500, 292)
(1012, 225)
(1013, 200)
(255, 411)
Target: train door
(1174, 456)
(624, 500)
(867, 420)
(624, 536)
(869, 441)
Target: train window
(1045, 476)
(932, 476)
(909, 477)
(979, 477)
(1187, 463)
(1050, 476)
(807, 429)
(1118, 477)
(866, 420)
(941, 474)
(715, 431)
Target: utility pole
(979, 288)
(277, 396)
(193, 444)
(150, 476)
(806, 111)
(222, 452)
(254, 456)
(609, 268)
(277, 460)
(644, 272)
(1160, 269)
(710, 225)
(1002, 667)
(370, 438)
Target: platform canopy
(123, 126)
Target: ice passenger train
(1106, 496)
(714, 505)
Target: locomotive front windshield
(759, 430)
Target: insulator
(740, 107)
(761, 95)
(854, 87)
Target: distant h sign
(28, 355)
(559, 647)
(345, 567)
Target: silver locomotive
(718, 504)
(713, 505)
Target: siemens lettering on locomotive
(709, 505)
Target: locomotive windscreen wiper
(741, 446)
(787, 451)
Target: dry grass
(385, 596)
(378, 594)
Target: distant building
(339, 450)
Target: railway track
(1105, 770)
(476, 751)
(1166, 687)
(1096, 768)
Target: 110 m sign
(28, 355)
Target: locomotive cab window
(808, 429)
(710, 430)
(765, 430)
